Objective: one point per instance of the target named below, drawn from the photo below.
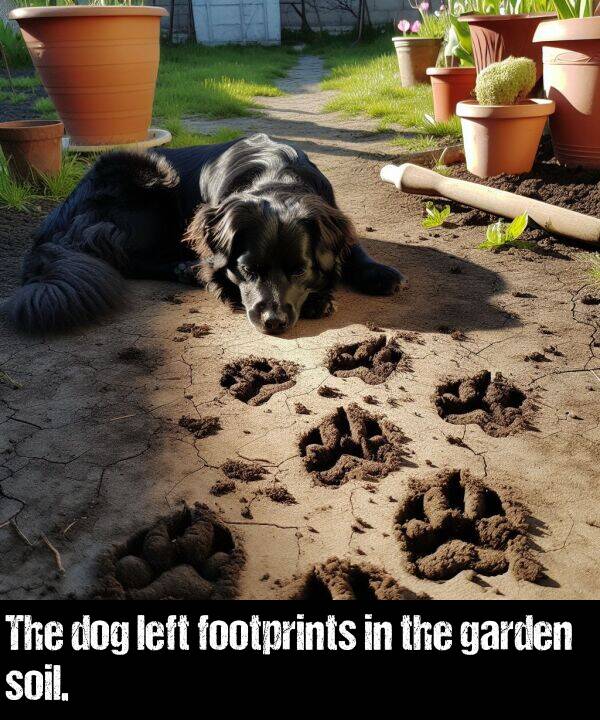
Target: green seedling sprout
(502, 234)
(594, 269)
(435, 217)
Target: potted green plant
(99, 65)
(504, 28)
(502, 127)
(419, 45)
(454, 80)
(571, 55)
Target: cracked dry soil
(92, 452)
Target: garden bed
(573, 188)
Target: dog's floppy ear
(335, 231)
(205, 234)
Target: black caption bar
(65, 653)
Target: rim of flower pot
(33, 13)
(533, 107)
(31, 129)
(401, 38)
(434, 71)
(501, 18)
(587, 28)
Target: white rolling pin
(556, 220)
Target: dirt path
(91, 445)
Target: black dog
(253, 220)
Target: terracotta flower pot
(32, 145)
(502, 138)
(99, 66)
(415, 55)
(449, 86)
(496, 37)
(572, 80)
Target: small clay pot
(496, 37)
(415, 55)
(32, 146)
(449, 86)
(571, 53)
(502, 138)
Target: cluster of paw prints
(445, 523)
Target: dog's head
(269, 252)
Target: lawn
(366, 79)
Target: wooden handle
(419, 180)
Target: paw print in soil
(451, 522)
(373, 361)
(337, 579)
(497, 406)
(353, 444)
(254, 380)
(188, 555)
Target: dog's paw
(317, 306)
(377, 279)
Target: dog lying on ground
(253, 220)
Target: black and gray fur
(253, 220)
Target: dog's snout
(274, 323)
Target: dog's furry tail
(63, 289)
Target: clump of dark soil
(373, 360)
(188, 555)
(590, 299)
(173, 299)
(200, 427)
(222, 487)
(353, 444)
(576, 189)
(497, 406)
(246, 472)
(137, 356)
(337, 579)
(194, 329)
(451, 522)
(254, 380)
(280, 494)
(301, 409)
(325, 391)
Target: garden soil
(103, 432)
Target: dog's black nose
(274, 324)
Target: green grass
(14, 47)
(46, 108)
(23, 195)
(594, 269)
(217, 82)
(182, 137)
(20, 83)
(367, 83)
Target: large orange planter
(496, 37)
(502, 138)
(572, 79)
(449, 86)
(98, 65)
